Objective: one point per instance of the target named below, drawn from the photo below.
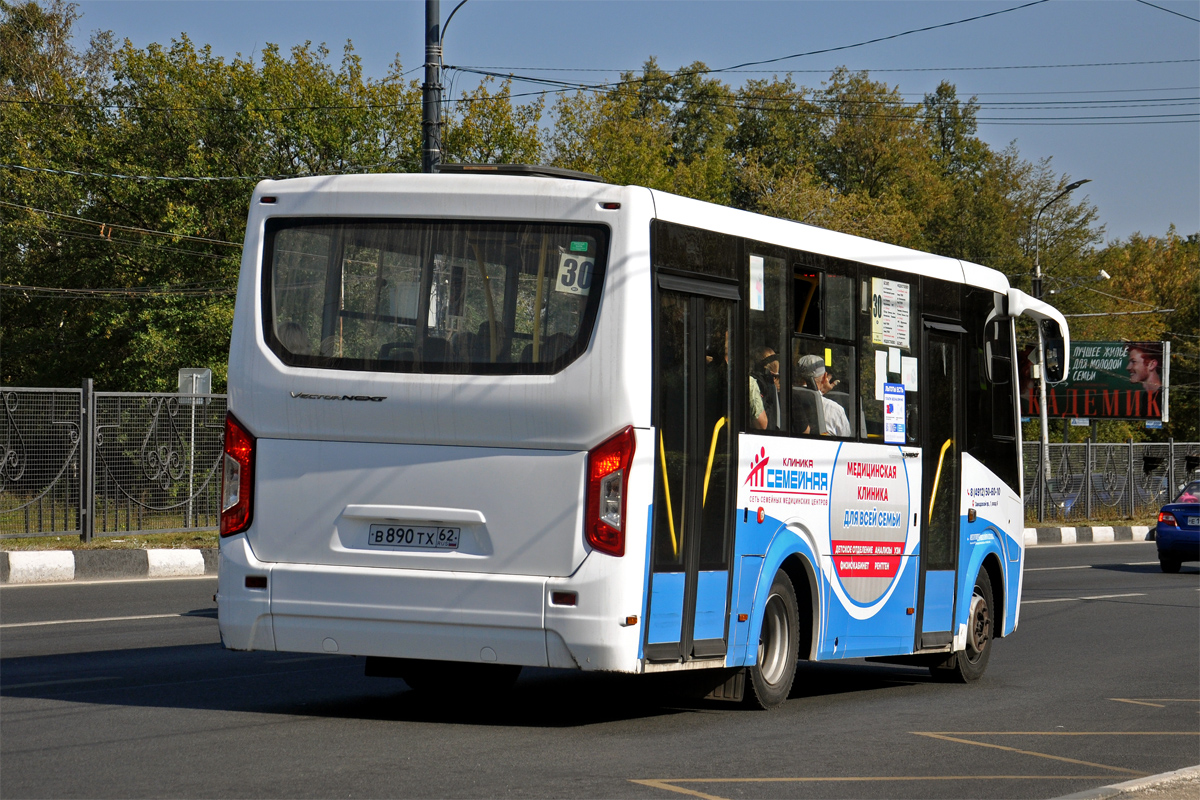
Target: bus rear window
(429, 296)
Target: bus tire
(969, 664)
(459, 679)
(775, 667)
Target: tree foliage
(850, 155)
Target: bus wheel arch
(995, 571)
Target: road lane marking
(1091, 566)
(1090, 597)
(55, 683)
(1052, 569)
(1135, 773)
(668, 783)
(1157, 702)
(101, 619)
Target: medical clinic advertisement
(856, 499)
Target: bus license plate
(421, 537)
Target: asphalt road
(1099, 684)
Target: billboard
(1108, 380)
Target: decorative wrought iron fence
(146, 463)
(1105, 480)
(39, 461)
(150, 463)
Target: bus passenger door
(940, 440)
(694, 470)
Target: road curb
(57, 566)
(1134, 785)
(1087, 535)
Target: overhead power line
(113, 226)
(150, 291)
(865, 69)
(878, 39)
(1169, 11)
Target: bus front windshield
(431, 296)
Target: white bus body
(495, 458)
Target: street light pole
(1037, 292)
(431, 90)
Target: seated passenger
(811, 371)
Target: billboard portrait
(1108, 380)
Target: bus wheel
(771, 676)
(970, 664)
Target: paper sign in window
(889, 312)
(757, 284)
(893, 413)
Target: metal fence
(84, 463)
(150, 463)
(1097, 481)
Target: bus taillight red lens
(607, 488)
(237, 478)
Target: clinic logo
(758, 468)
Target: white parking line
(1072, 599)
(98, 619)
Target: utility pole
(431, 90)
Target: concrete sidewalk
(1182, 784)
(52, 566)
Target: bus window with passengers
(525, 418)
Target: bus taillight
(608, 484)
(237, 478)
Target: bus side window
(806, 300)
(766, 340)
(887, 339)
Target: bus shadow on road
(208, 677)
(1146, 569)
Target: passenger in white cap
(811, 370)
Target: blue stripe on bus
(646, 580)
(711, 589)
(938, 609)
(666, 607)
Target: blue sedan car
(1178, 531)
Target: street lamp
(1037, 292)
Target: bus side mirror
(1055, 348)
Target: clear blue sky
(1144, 176)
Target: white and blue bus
(496, 417)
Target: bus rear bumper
(405, 613)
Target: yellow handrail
(662, 453)
(712, 451)
(937, 477)
(491, 305)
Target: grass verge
(182, 540)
